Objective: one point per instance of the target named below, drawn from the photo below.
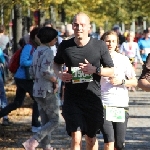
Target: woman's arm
(26, 55)
(46, 70)
(132, 82)
(144, 80)
(144, 85)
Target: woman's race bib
(115, 114)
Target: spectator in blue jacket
(144, 45)
(3, 99)
(23, 83)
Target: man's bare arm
(87, 68)
(63, 75)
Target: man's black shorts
(84, 116)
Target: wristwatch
(98, 70)
(123, 81)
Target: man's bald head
(81, 26)
(83, 15)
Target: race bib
(115, 114)
(79, 77)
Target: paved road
(138, 132)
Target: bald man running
(83, 56)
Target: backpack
(14, 62)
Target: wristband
(98, 70)
(123, 82)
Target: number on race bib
(78, 76)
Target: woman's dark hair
(47, 34)
(34, 32)
(22, 42)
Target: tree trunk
(17, 29)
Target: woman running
(115, 95)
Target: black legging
(23, 86)
(115, 132)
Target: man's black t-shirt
(96, 53)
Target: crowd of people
(88, 75)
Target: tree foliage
(99, 11)
(109, 10)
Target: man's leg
(109, 146)
(91, 143)
(76, 140)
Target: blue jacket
(2, 61)
(144, 45)
(25, 61)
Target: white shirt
(117, 95)
(54, 49)
(133, 53)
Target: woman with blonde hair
(132, 51)
(115, 97)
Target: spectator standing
(115, 95)
(62, 31)
(92, 34)
(23, 83)
(43, 91)
(4, 40)
(27, 35)
(4, 45)
(69, 32)
(3, 99)
(148, 31)
(120, 36)
(131, 50)
(83, 56)
(100, 33)
(138, 35)
(126, 33)
(144, 45)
